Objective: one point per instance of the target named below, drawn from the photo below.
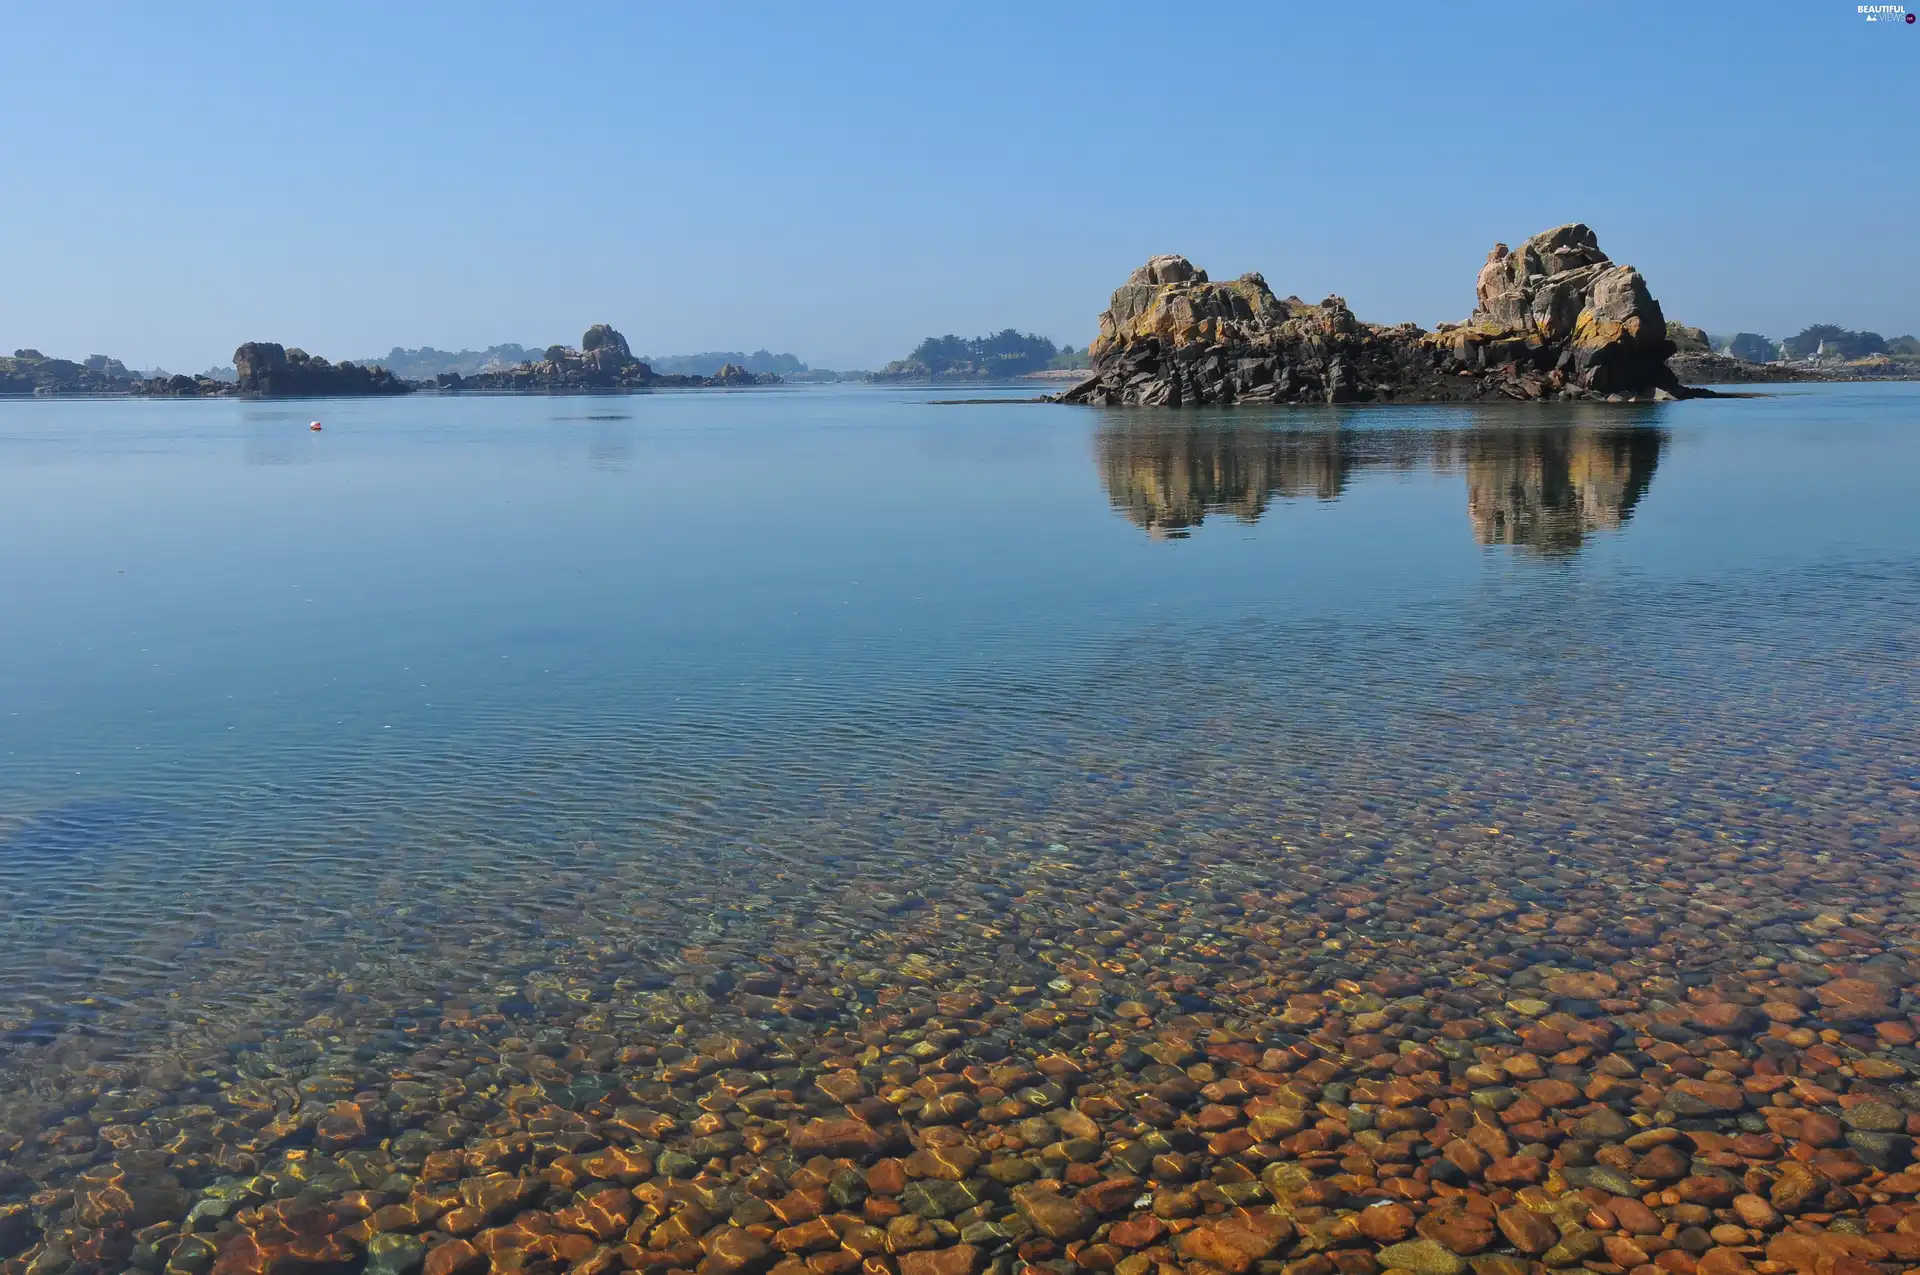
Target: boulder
(1554, 319)
(603, 336)
(1688, 340)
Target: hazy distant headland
(1003, 356)
(603, 361)
(1818, 352)
(427, 364)
(266, 369)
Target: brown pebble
(1386, 1223)
(1634, 1217)
(1530, 1232)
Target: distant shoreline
(1051, 375)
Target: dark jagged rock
(1554, 320)
(185, 387)
(270, 370)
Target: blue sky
(840, 180)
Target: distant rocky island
(267, 369)
(31, 372)
(604, 361)
(1000, 357)
(427, 365)
(710, 362)
(1818, 352)
(1556, 319)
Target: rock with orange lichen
(1556, 319)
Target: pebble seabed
(1405, 1021)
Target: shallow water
(468, 723)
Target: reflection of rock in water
(1543, 488)
(1168, 481)
(1547, 490)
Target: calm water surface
(596, 710)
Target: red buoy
(315, 425)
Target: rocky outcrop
(1722, 369)
(267, 369)
(603, 362)
(1554, 320)
(734, 374)
(31, 372)
(200, 386)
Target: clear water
(593, 706)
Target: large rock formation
(1555, 319)
(267, 369)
